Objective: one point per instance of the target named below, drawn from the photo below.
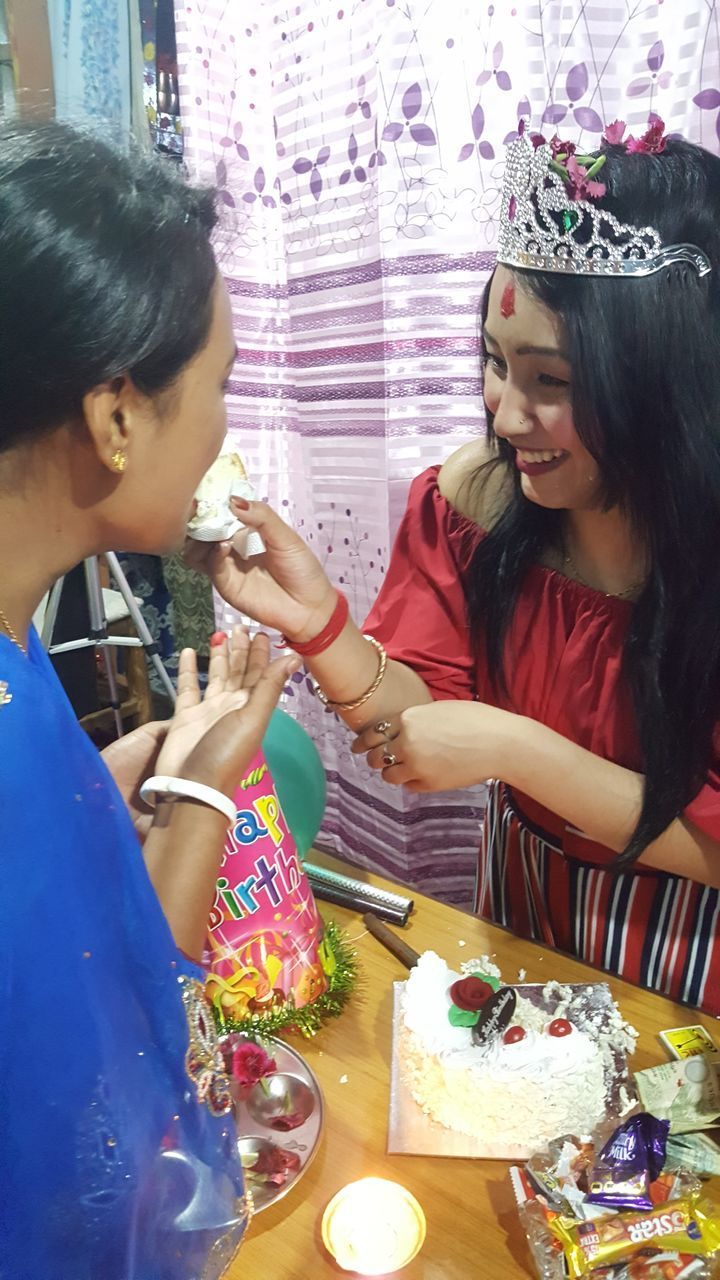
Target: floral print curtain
(357, 146)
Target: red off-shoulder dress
(539, 876)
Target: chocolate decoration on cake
(495, 1015)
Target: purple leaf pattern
(554, 113)
(423, 135)
(412, 101)
(708, 99)
(587, 118)
(392, 132)
(577, 82)
(656, 56)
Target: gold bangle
(358, 702)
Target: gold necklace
(610, 595)
(12, 633)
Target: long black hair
(645, 359)
(105, 268)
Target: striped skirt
(656, 930)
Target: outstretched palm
(210, 739)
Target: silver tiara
(544, 229)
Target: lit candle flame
(373, 1227)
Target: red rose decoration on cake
(470, 993)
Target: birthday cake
(213, 520)
(513, 1066)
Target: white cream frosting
(522, 1094)
(213, 520)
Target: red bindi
(507, 302)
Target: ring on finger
(389, 759)
(383, 727)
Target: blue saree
(111, 1168)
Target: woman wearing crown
(550, 618)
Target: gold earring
(119, 461)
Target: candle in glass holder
(373, 1227)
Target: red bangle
(329, 633)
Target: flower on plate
(292, 1120)
(274, 1165)
(250, 1063)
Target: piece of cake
(213, 520)
(515, 1067)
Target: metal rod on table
(357, 895)
(343, 897)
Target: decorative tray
(279, 1123)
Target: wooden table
(473, 1232)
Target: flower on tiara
(560, 148)
(577, 171)
(652, 142)
(614, 133)
(581, 185)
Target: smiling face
(528, 392)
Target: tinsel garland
(309, 1019)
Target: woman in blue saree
(117, 1159)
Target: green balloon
(298, 775)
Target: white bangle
(166, 786)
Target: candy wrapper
(687, 1093)
(676, 1234)
(690, 1226)
(621, 1174)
